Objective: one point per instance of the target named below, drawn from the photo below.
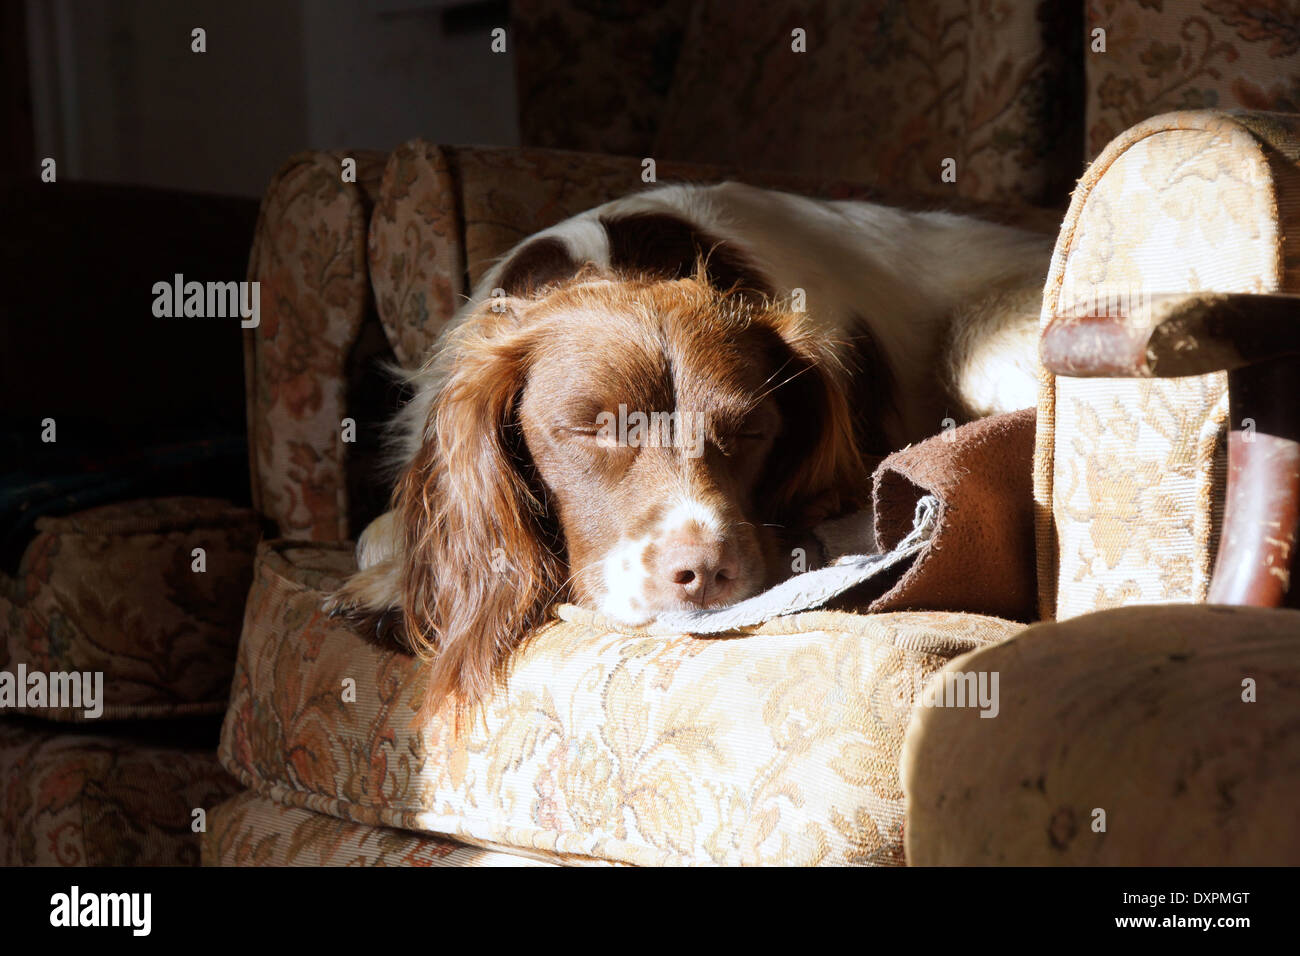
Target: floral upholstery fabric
(884, 93)
(309, 254)
(113, 589)
(1166, 55)
(1130, 474)
(74, 799)
(778, 745)
(417, 258)
(248, 830)
(595, 76)
(1138, 711)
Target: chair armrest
(1175, 335)
(1256, 340)
(1131, 710)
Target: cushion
(884, 93)
(1181, 724)
(1183, 56)
(777, 745)
(249, 830)
(1129, 474)
(113, 590)
(121, 799)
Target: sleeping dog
(638, 408)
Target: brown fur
(485, 545)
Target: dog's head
(633, 444)
(636, 437)
(673, 431)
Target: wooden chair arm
(1174, 335)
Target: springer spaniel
(640, 407)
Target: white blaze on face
(627, 596)
(689, 514)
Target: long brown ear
(479, 562)
(820, 470)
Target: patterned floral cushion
(248, 830)
(778, 745)
(884, 93)
(74, 799)
(1163, 55)
(1130, 474)
(595, 76)
(113, 589)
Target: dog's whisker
(569, 580)
(758, 400)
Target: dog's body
(780, 341)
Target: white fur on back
(916, 280)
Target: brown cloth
(981, 558)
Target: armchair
(586, 756)
(1167, 473)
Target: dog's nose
(700, 574)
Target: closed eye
(761, 424)
(734, 442)
(600, 436)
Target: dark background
(161, 157)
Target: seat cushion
(125, 798)
(117, 590)
(250, 830)
(776, 746)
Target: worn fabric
(981, 556)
